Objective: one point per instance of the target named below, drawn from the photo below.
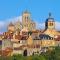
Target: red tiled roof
(6, 51)
(18, 37)
(24, 38)
(58, 38)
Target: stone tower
(26, 20)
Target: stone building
(6, 43)
(50, 27)
(6, 47)
(27, 22)
(26, 37)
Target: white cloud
(57, 25)
(4, 24)
(15, 19)
(1, 24)
(42, 25)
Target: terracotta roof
(18, 37)
(58, 38)
(24, 38)
(6, 51)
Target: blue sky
(39, 9)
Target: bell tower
(50, 23)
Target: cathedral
(26, 24)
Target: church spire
(49, 14)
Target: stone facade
(26, 23)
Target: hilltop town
(23, 37)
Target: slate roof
(58, 38)
(43, 37)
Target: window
(51, 24)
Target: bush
(49, 55)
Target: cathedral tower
(26, 19)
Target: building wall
(51, 25)
(47, 43)
(6, 43)
(11, 28)
(37, 42)
(18, 25)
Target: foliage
(49, 55)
